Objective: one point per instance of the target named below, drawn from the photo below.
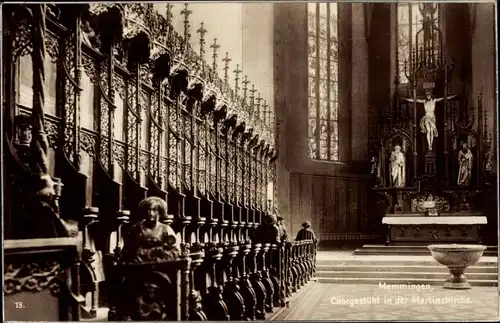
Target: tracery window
(409, 23)
(323, 81)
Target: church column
(394, 71)
(456, 33)
(280, 107)
(483, 67)
(380, 67)
(345, 116)
(290, 97)
(359, 94)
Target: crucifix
(428, 121)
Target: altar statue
(465, 165)
(397, 167)
(150, 240)
(488, 167)
(428, 122)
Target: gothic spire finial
(170, 28)
(186, 13)
(226, 61)
(252, 97)
(245, 89)
(237, 72)
(266, 113)
(258, 99)
(269, 116)
(215, 48)
(252, 91)
(202, 31)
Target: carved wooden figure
(149, 240)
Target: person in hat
(306, 233)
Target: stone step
(380, 275)
(408, 268)
(394, 263)
(417, 253)
(409, 250)
(489, 247)
(375, 281)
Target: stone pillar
(483, 64)
(359, 93)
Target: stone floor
(372, 302)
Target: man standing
(306, 233)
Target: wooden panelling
(334, 205)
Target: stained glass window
(410, 23)
(323, 81)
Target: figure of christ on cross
(428, 122)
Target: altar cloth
(446, 220)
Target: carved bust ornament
(23, 138)
(150, 240)
(150, 306)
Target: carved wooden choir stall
(146, 172)
(430, 151)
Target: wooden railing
(243, 281)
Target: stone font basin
(457, 257)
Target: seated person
(306, 233)
(268, 231)
(150, 240)
(284, 237)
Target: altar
(431, 151)
(453, 227)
